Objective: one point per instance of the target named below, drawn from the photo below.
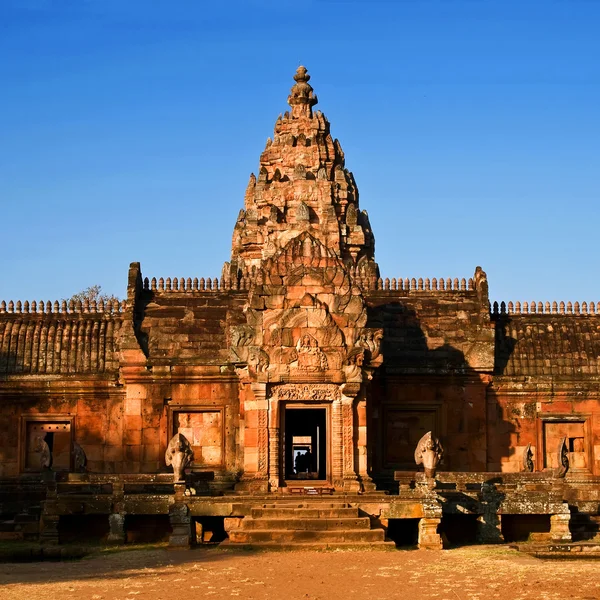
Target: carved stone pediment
(304, 317)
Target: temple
(301, 396)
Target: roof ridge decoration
(110, 307)
(302, 97)
(545, 308)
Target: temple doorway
(305, 444)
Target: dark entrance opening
(305, 449)
(523, 528)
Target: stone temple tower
(304, 354)
(302, 186)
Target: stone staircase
(312, 523)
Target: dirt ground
(158, 574)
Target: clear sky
(128, 130)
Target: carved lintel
(306, 391)
(429, 453)
(179, 455)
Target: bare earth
(155, 574)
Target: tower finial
(302, 97)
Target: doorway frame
(300, 405)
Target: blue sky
(129, 130)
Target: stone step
(314, 524)
(11, 536)
(308, 513)
(286, 536)
(7, 526)
(316, 546)
(306, 504)
(26, 518)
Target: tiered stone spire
(302, 185)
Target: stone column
(351, 483)
(489, 523)
(116, 520)
(274, 441)
(50, 518)
(337, 444)
(559, 525)
(429, 537)
(256, 442)
(181, 520)
(360, 427)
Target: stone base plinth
(429, 538)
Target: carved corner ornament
(429, 453)
(354, 364)
(179, 455)
(563, 459)
(528, 465)
(370, 340)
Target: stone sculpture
(42, 448)
(79, 458)
(563, 459)
(179, 455)
(429, 453)
(528, 459)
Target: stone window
(574, 431)
(46, 440)
(204, 430)
(402, 430)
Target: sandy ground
(159, 574)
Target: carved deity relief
(310, 357)
(429, 453)
(179, 455)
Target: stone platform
(569, 506)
